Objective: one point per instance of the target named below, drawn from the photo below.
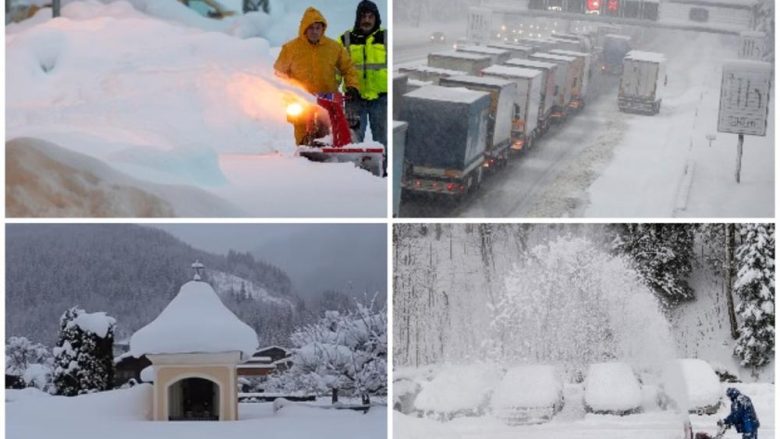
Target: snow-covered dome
(195, 321)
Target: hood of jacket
(367, 6)
(310, 16)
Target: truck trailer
(642, 82)
(527, 102)
(502, 104)
(580, 90)
(549, 87)
(497, 56)
(567, 76)
(470, 63)
(445, 139)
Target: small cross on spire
(198, 267)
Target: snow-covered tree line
(457, 285)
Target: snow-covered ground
(122, 414)
(159, 97)
(664, 165)
(653, 424)
(605, 163)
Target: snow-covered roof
(639, 55)
(447, 94)
(511, 47)
(482, 80)
(553, 56)
(429, 69)
(195, 321)
(517, 72)
(568, 52)
(531, 63)
(481, 49)
(460, 55)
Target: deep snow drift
(176, 100)
(122, 414)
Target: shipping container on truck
(583, 63)
(400, 84)
(642, 82)
(564, 44)
(527, 102)
(470, 63)
(445, 140)
(399, 144)
(502, 105)
(567, 76)
(497, 56)
(427, 73)
(515, 50)
(549, 87)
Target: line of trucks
(466, 111)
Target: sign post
(744, 101)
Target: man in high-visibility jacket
(313, 60)
(366, 44)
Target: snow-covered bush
(83, 358)
(755, 288)
(404, 393)
(20, 353)
(458, 391)
(612, 388)
(341, 352)
(528, 394)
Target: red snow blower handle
(333, 103)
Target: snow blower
(329, 137)
(719, 435)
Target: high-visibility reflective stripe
(372, 66)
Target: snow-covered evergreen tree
(345, 352)
(662, 254)
(83, 358)
(755, 289)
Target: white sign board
(744, 97)
(751, 45)
(479, 24)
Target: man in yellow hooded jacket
(316, 62)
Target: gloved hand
(353, 94)
(720, 422)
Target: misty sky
(347, 257)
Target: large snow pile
(458, 389)
(166, 102)
(702, 387)
(194, 321)
(528, 387)
(612, 387)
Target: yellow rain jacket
(317, 67)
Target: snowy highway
(605, 163)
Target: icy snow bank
(458, 390)
(612, 387)
(195, 321)
(46, 180)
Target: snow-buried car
(527, 395)
(457, 391)
(612, 388)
